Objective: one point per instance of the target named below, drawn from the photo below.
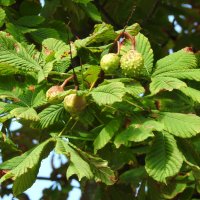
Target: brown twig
(66, 81)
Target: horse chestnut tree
(133, 130)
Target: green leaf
(117, 158)
(181, 60)
(181, 125)
(164, 159)
(38, 98)
(51, 115)
(133, 29)
(165, 83)
(7, 2)
(98, 166)
(7, 69)
(14, 162)
(108, 94)
(102, 33)
(25, 168)
(8, 146)
(43, 74)
(77, 165)
(143, 46)
(2, 17)
(171, 190)
(135, 89)
(30, 8)
(106, 134)
(192, 93)
(82, 1)
(101, 171)
(138, 132)
(17, 32)
(16, 56)
(133, 175)
(43, 33)
(91, 75)
(189, 74)
(25, 113)
(58, 48)
(7, 107)
(92, 12)
(30, 21)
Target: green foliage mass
(124, 136)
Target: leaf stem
(92, 85)
(65, 127)
(133, 104)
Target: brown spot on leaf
(16, 47)
(138, 125)
(188, 49)
(3, 172)
(47, 51)
(113, 178)
(127, 122)
(31, 88)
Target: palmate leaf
(92, 12)
(32, 96)
(17, 32)
(133, 175)
(23, 102)
(138, 132)
(58, 48)
(2, 16)
(171, 190)
(7, 69)
(82, 1)
(30, 21)
(143, 46)
(6, 2)
(135, 89)
(91, 74)
(180, 125)
(188, 74)
(48, 67)
(77, 165)
(192, 93)
(43, 33)
(5, 118)
(164, 159)
(99, 167)
(85, 165)
(181, 60)
(165, 83)
(24, 168)
(51, 115)
(108, 94)
(14, 55)
(25, 113)
(106, 134)
(132, 29)
(102, 33)
(6, 107)
(6, 143)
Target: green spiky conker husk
(74, 104)
(110, 62)
(52, 94)
(132, 63)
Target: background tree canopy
(161, 107)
